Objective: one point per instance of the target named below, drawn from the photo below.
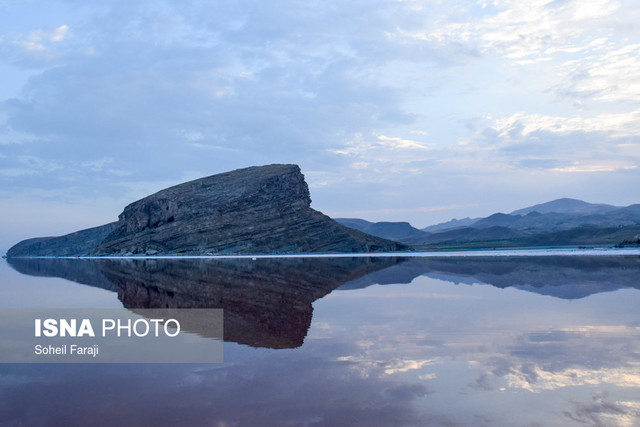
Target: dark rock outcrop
(255, 210)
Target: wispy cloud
(37, 39)
(617, 125)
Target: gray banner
(111, 336)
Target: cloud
(362, 146)
(587, 52)
(426, 100)
(30, 165)
(535, 30)
(37, 39)
(598, 143)
(596, 167)
(165, 83)
(616, 125)
(608, 75)
(399, 143)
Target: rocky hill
(264, 209)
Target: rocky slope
(255, 210)
(79, 243)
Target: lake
(349, 341)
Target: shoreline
(414, 254)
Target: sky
(401, 110)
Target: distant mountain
(558, 206)
(567, 206)
(535, 221)
(492, 235)
(495, 237)
(398, 231)
(633, 210)
(355, 223)
(454, 223)
(557, 223)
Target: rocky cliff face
(255, 210)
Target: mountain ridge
(566, 205)
(562, 222)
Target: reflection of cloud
(275, 389)
(600, 411)
(376, 363)
(396, 366)
(379, 367)
(536, 379)
(546, 361)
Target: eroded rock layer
(254, 210)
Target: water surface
(522, 341)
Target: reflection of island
(266, 302)
(567, 277)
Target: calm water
(523, 341)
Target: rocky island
(256, 210)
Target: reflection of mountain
(266, 302)
(568, 277)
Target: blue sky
(395, 110)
